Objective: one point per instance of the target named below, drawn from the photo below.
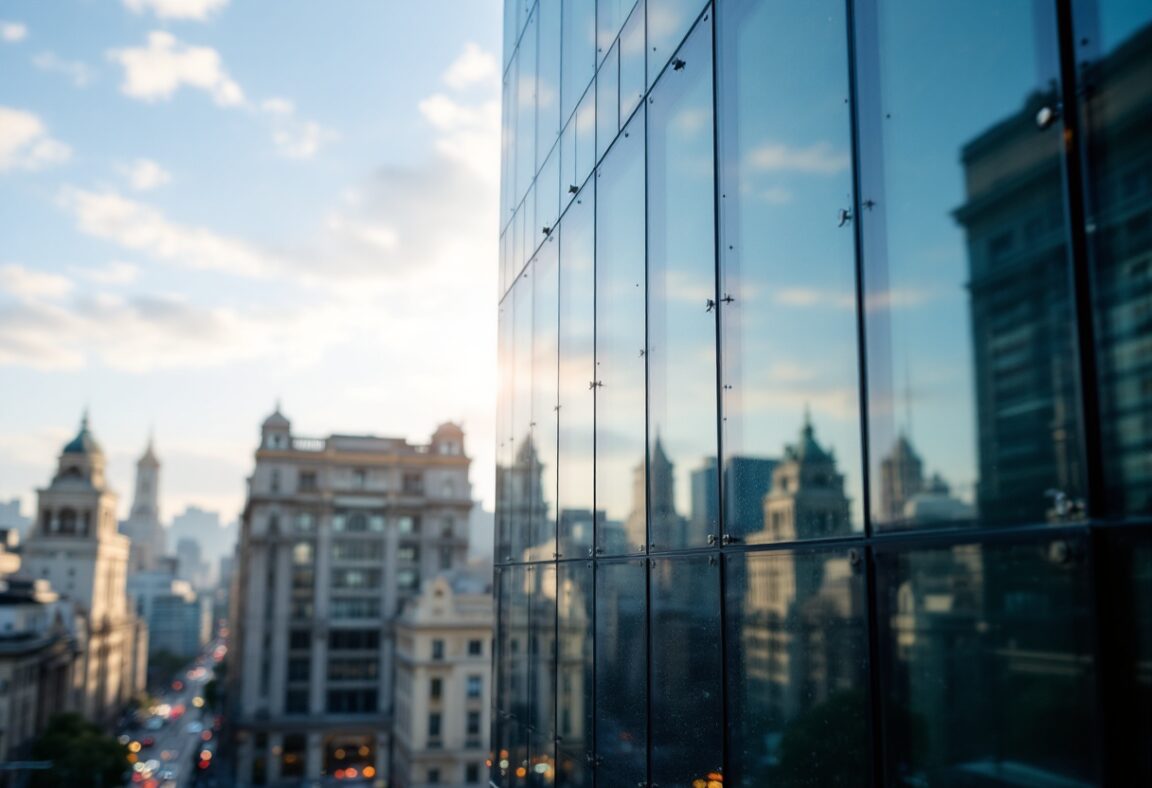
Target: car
(147, 741)
(194, 727)
(154, 724)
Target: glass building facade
(825, 414)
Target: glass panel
(507, 146)
(682, 296)
(542, 542)
(965, 627)
(568, 184)
(574, 679)
(547, 196)
(548, 80)
(621, 673)
(523, 479)
(620, 489)
(668, 22)
(1116, 69)
(973, 409)
(515, 699)
(610, 16)
(574, 499)
(632, 83)
(607, 101)
(797, 687)
(526, 109)
(687, 719)
(585, 137)
(788, 318)
(579, 55)
(505, 441)
(542, 646)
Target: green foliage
(82, 755)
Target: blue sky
(207, 205)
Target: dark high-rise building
(716, 216)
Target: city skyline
(198, 221)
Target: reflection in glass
(547, 80)
(963, 628)
(522, 478)
(668, 22)
(621, 673)
(681, 293)
(505, 440)
(525, 136)
(1116, 74)
(578, 55)
(788, 317)
(632, 83)
(687, 718)
(512, 680)
(797, 688)
(577, 369)
(574, 674)
(541, 542)
(619, 382)
(608, 101)
(610, 16)
(542, 678)
(547, 196)
(969, 324)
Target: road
(175, 732)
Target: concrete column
(244, 757)
(314, 756)
(275, 753)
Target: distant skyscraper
(143, 525)
(75, 546)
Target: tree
(82, 755)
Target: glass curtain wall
(825, 413)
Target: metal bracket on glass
(546, 230)
(573, 188)
(1046, 116)
(678, 64)
(727, 299)
(729, 539)
(712, 539)
(709, 305)
(845, 217)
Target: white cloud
(114, 273)
(142, 228)
(889, 299)
(473, 66)
(470, 134)
(278, 106)
(300, 139)
(164, 65)
(820, 158)
(144, 175)
(13, 31)
(25, 144)
(80, 74)
(177, 9)
(29, 285)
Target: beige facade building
(74, 545)
(337, 534)
(443, 684)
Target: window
(408, 580)
(302, 553)
(475, 648)
(437, 649)
(356, 578)
(473, 727)
(274, 485)
(353, 669)
(299, 639)
(408, 553)
(299, 669)
(358, 550)
(435, 688)
(305, 522)
(296, 701)
(433, 776)
(408, 524)
(359, 478)
(413, 483)
(353, 639)
(354, 607)
(434, 725)
(352, 701)
(445, 558)
(475, 686)
(472, 773)
(306, 482)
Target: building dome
(84, 442)
(277, 421)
